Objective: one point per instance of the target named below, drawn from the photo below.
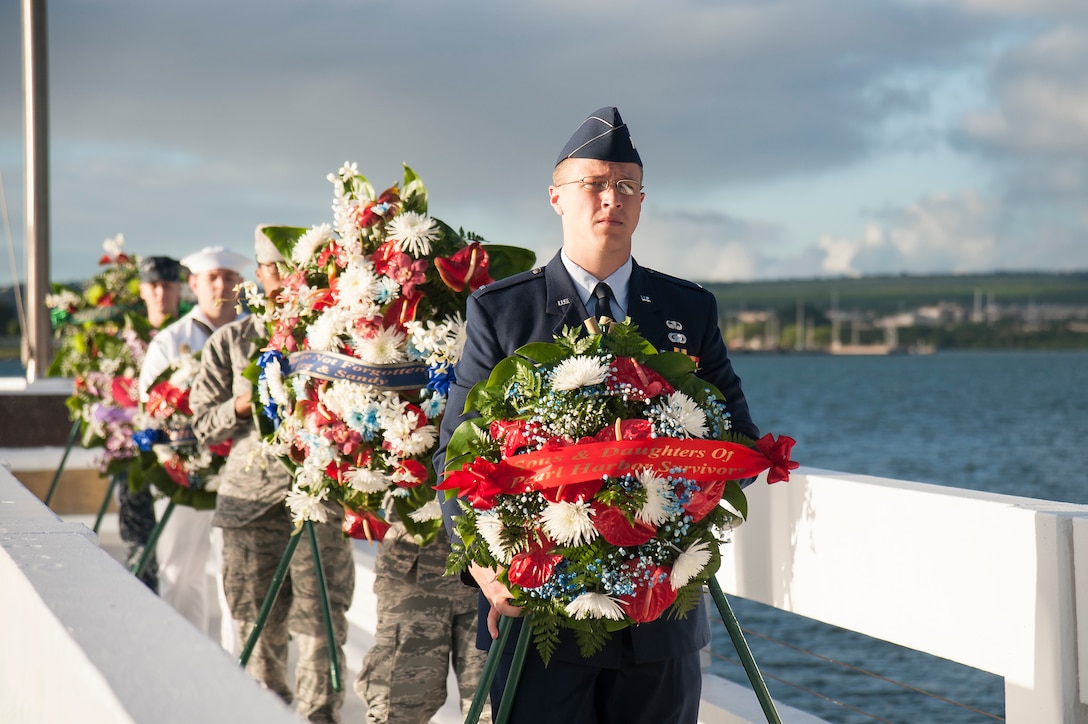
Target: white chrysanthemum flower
(357, 284)
(596, 606)
(575, 372)
(308, 244)
(430, 510)
(682, 410)
(384, 348)
(413, 232)
(655, 510)
(406, 441)
(569, 524)
(689, 564)
(114, 246)
(323, 334)
(366, 480)
(305, 505)
(490, 528)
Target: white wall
(82, 640)
(985, 580)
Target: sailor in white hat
(189, 561)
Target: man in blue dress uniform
(645, 673)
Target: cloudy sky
(781, 138)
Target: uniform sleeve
(212, 394)
(482, 352)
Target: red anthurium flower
(364, 525)
(625, 430)
(640, 382)
(119, 259)
(336, 470)
(106, 300)
(410, 474)
(651, 597)
(466, 268)
(705, 499)
(574, 492)
(614, 527)
(402, 311)
(534, 567)
(221, 449)
(384, 207)
(123, 390)
(778, 452)
(176, 472)
(163, 400)
(513, 435)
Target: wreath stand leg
(492, 663)
(322, 590)
(110, 487)
(152, 540)
(72, 435)
(750, 668)
(273, 592)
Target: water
(1003, 422)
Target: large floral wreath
(593, 477)
(363, 337)
(101, 339)
(170, 457)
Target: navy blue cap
(158, 269)
(604, 137)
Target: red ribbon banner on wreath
(703, 461)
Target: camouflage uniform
(256, 529)
(136, 519)
(425, 621)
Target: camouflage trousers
(136, 520)
(251, 554)
(419, 633)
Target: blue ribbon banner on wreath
(333, 366)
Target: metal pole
(511, 689)
(269, 599)
(322, 591)
(72, 435)
(152, 540)
(746, 658)
(36, 126)
(488, 675)
(106, 500)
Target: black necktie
(604, 310)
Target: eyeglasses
(598, 185)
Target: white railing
(995, 582)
